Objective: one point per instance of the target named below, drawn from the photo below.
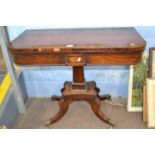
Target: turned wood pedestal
(80, 90)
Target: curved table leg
(104, 97)
(63, 104)
(95, 106)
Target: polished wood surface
(95, 46)
(77, 48)
(84, 37)
(90, 94)
(78, 74)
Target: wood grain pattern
(78, 74)
(91, 96)
(78, 47)
(99, 45)
(104, 37)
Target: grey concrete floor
(79, 116)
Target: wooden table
(78, 48)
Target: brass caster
(112, 123)
(48, 124)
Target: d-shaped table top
(78, 47)
(90, 45)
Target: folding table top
(77, 38)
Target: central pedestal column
(80, 90)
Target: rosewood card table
(78, 48)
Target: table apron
(86, 59)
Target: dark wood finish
(95, 46)
(78, 78)
(38, 59)
(75, 60)
(69, 95)
(90, 59)
(151, 61)
(78, 74)
(77, 48)
(64, 105)
(111, 38)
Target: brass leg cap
(48, 123)
(112, 123)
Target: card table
(78, 48)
